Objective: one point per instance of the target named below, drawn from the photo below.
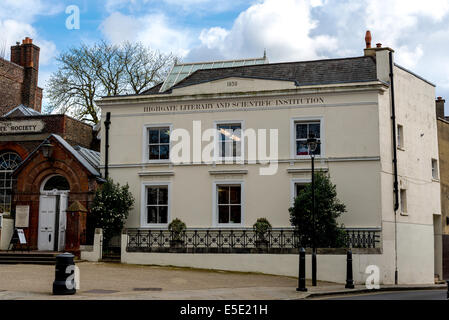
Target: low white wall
(330, 267)
(95, 254)
(6, 233)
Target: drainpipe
(107, 124)
(395, 167)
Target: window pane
(58, 183)
(301, 131)
(152, 214)
(163, 195)
(152, 196)
(235, 214)
(163, 214)
(165, 151)
(154, 152)
(224, 132)
(238, 149)
(223, 195)
(165, 135)
(229, 149)
(223, 214)
(299, 188)
(154, 135)
(315, 129)
(235, 195)
(236, 128)
(301, 148)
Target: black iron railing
(234, 240)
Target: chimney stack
(27, 56)
(368, 39)
(439, 104)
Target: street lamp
(47, 149)
(312, 144)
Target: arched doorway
(52, 213)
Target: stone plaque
(24, 126)
(22, 216)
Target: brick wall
(19, 78)
(11, 81)
(79, 133)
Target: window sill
(157, 162)
(308, 157)
(228, 226)
(436, 180)
(404, 214)
(155, 226)
(401, 148)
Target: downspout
(107, 124)
(395, 168)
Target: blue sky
(198, 30)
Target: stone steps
(28, 258)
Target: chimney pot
(379, 45)
(368, 39)
(440, 98)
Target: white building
(346, 102)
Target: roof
(91, 156)
(77, 155)
(154, 90)
(181, 71)
(331, 71)
(22, 110)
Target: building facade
(253, 160)
(36, 190)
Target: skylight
(181, 71)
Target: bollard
(302, 271)
(64, 283)
(349, 278)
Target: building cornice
(311, 89)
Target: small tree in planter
(261, 228)
(328, 233)
(110, 209)
(176, 228)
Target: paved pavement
(120, 281)
(399, 295)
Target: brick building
(47, 162)
(19, 77)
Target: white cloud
(282, 27)
(153, 30)
(213, 37)
(16, 18)
(199, 7)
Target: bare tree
(89, 72)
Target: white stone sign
(25, 126)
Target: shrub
(261, 227)
(177, 227)
(328, 233)
(111, 207)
